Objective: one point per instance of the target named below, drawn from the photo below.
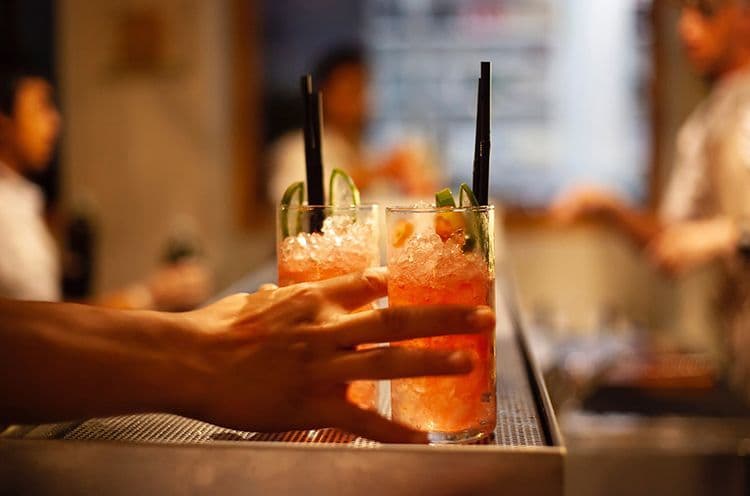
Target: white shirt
(29, 264)
(710, 179)
(711, 173)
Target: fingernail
(461, 360)
(482, 318)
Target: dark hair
(343, 54)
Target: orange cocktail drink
(445, 256)
(346, 243)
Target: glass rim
(435, 210)
(336, 208)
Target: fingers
(661, 256)
(368, 424)
(268, 287)
(569, 206)
(581, 203)
(393, 363)
(355, 290)
(399, 323)
(564, 210)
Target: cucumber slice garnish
(294, 191)
(341, 190)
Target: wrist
(176, 379)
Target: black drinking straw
(483, 121)
(476, 179)
(312, 130)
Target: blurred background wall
(149, 149)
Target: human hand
(281, 358)
(581, 203)
(685, 246)
(180, 286)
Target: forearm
(64, 361)
(721, 234)
(640, 226)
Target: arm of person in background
(590, 203)
(687, 245)
(673, 248)
(409, 167)
(393, 168)
(274, 360)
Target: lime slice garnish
(475, 229)
(295, 189)
(444, 198)
(342, 192)
(466, 197)
(294, 193)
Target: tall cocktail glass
(445, 256)
(347, 242)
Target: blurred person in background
(30, 125)
(704, 214)
(343, 78)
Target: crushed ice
(342, 242)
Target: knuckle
(372, 281)
(302, 352)
(393, 319)
(308, 293)
(381, 360)
(300, 303)
(340, 339)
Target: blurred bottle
(78, 254)
(182, 243)
(184, 280)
